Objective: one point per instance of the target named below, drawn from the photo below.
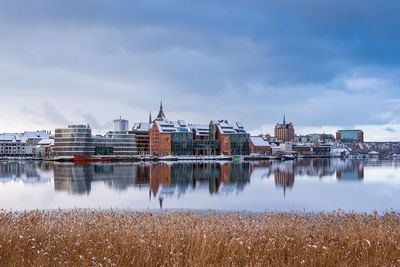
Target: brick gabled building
(170, 137)
(234, 140)
(284, 131)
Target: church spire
(150, 121)
(284, 119)
(161, 116)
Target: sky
(326, 65)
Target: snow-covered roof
(258, 141)
(13, 138)
(166, 126)
(225, 127)
(200, 129)
(142, 126)
(49, 142)
(36, 135)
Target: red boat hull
(86, 159)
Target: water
(313, 185)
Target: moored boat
(287, 157)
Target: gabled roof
(142, 126)
(224, 127)
(258, 141)
(200, 129)
(166, 126)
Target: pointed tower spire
(150, 121)
(161, 116)
(284, 119)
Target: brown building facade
(258, 145)
(284, 131)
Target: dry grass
(100, 238)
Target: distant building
(234, 140)
(320, 137)
(44, 148)
(350, 136)
(21, 144)
(14, 145)
(121, 125)
(284, 131)
(259, 145)
(74, 140)
(33, 138)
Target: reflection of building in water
(284, 178)
(27, 171)
(168, 179)
(78, 179)
(353, 171)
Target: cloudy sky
(325, 64)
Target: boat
(86, 159)
(287, 157)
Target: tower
(150, 120)
(161, 116)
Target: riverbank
(164, 158)
(104, 238)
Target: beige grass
(99, 238)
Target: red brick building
(284, 131)
(259, 145)
(170, 137)
(234, 140)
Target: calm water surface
(314, 185)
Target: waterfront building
(170, 137)
(44, 148)
(14, 145)
(34, 137)
(142, 131)
(121, 142)
(284, 131)
(259, 145)
(234, 140)
(202, 144)
(350, 136)
(74, 140)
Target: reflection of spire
(284, 191)
(161, 201)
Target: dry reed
(107, 238)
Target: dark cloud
(320, 62)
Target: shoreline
(173, 158)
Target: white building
(14, 145)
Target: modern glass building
(240, 144)
(181, 143)
(350, 136)
(123, 143)
(74, 140)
